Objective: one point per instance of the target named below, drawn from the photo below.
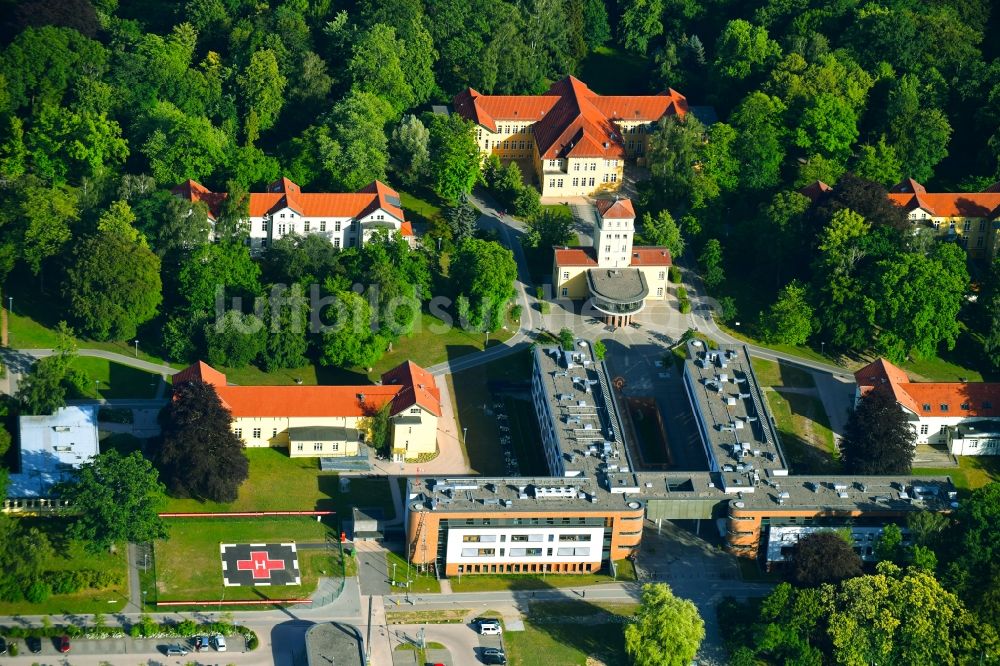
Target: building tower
(614, 227)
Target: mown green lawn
(73, 556)
(569, 643)
(114, 380)
(972, 472)
(420, 583)
(805, 432)
(188, 564)
(771, 373)
(280, 483)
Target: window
(263, 226)
(263, 243)
(593, 167)
(605, 178)
(305, 226)
(560, 182)
(281, 229)
(239, 432)
(927, 407)
(659, 291)
(552, 182)
(565, 275)
(336, 225)
(282, 215)
(576, 166)
(298, 447)
(574, 537)
(982, 225)
(471, 538)
(944, 407)
(964, 405)
(661, 275)
(274, 432)
(591, 182)
(980, 241)
(607, 248)
(923, 429)
(614, 178)
(317, 446)
(256, 433)
(516, 538)
(576, 182)
(336, 242)
(565, 291)
(414, 410)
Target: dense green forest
(105, 105)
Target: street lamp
(822, 347)
(137, 347)
(465, 433)
(394, 574)
(144, 601)
(10, 304)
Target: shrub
(252, 641)
(566, 339)
(38, 592)
(540, 293)
(515, 313)
(544, 307)
(684, 305)
(682, 293)
(600, 349)
(14, 650)
(674, 275)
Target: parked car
(220, 642)
(3, 646)
(494, 656)
(490, 628)
(64, 644)
(34, 644)
(201, 643)
(176, 651)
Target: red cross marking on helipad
(260, 564)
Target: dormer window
(944, 407)
(965, 405)
(927, 407)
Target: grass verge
(972, 472)
(188, 564)
(483, 583)
(114, 380)
(420, 583)
(280, 483)
(805, 432)
(543, 643)
(771, 373)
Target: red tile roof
(971, 399)
(412, 385)
(815, 189)
(950, 204)
(192, 191)
(575, 256)
(570, 120)
(283, 193)
(584, 256)
(908, 185)
(418, 388)
(616, 209)
(650, 256)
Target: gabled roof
(650, 256)
(950, 204)
(575, 256)
(321, 401)
(908, 185)
(971, 399)
(200, 371)
(283, 193)
(616, 209)
(570, 120)
(815, 189)
(192, 191)
(417, 387)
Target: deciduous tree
(549, 229)
(113, 286)
(640, 24)
(411, 150)
(118, 499)
(455, 156)
(484, 272)
(375, 68)
(666, 631)
(878, 438)
(710, 261)
(661, 230)
(744, 49)
(350, 340)
(201, 457)
(789, 319)
(824, 557)
(261, 87)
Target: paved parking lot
(83, 647)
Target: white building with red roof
(576, 140)
(615, 277)
(329, 421)
(963, 416)
(346, 220)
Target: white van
(490, 628)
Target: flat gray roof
(617, 285)
(52, 446)
(587, 425)
(742, 443)
(334, 643)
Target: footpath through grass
(188, 564)
(280, 483)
